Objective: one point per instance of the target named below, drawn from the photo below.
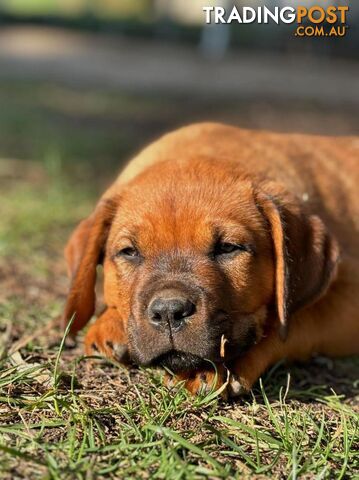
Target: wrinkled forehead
(186, 210)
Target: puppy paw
(206, 381)
(235, 387)
(109, 348)
(201, 381)
(106, 337)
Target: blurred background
(86, 83)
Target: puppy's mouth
(177, 361)
(191, 349)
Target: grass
(65, 416)
(80, 421)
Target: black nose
(170, 312)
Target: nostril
(156, 316)
(170, 311)
(157, 310)
(183, 309)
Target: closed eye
(128, 253)
(227, 249)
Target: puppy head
(194, 251)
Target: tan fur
(293, 196)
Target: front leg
(310, 332)
(107, 336)
(247, 369)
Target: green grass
(63, 417)
(71, 422)
(122, 9)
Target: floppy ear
(83, 253)
(306, 255)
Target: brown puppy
(216, 233)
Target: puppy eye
(225, 248)
(130, 253)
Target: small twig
(223, 343)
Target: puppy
(223, 246)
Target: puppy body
(289, 202)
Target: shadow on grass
(310, 381)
